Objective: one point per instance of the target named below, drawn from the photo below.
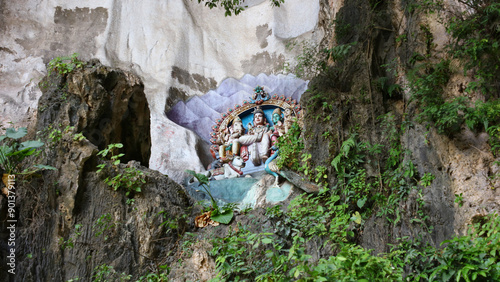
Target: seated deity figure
(278, 125)
(278, 128)
(258, 138)
(231, 140)
(289, 119)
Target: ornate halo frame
(226, 118)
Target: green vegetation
(131, 179)
(104, 225)
(70, 242)
(335, 218)
(291, 147)
(55, 134)
(64, 65)
(360, 181)
(219, 214)
(394, 189)
(466, 258)
(234, 6)
(177, 224)
(310, 62)
(13, 152)
(106, 272)
(340, 52)
(459, 199)
(155, 277)
(475, 44)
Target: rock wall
(181, 49)
(178, 48)
(106, 105)
(384, 37)
(69, 221)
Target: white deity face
(238, 127)
(258, 119)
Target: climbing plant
(234, 6)
(130, 179)
(291, 148)
(476, 43)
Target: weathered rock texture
(181, 49)
(65, 234)
(69, 221)
(461, 163)
(107, 105)
(178, 48)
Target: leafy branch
(12, 152)
(219, 214)
(234, 6)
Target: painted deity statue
(278, 125)
(231, 139)
(258, 138)
(289, 119)
(278, 128)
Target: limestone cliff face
(383, 39)
(68, 221)
(178, 48)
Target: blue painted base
(245, 192)
(226, 190)
(278, 194)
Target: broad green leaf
(203, 179)
(341, 258)
(31, 144)
(267, 240)
(356, 217)
(23, 153)
(6, 150)
(361, 202)
(335, 162)
(223, 218)
(12, 133)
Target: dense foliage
(475, 39)
(13, 152)
(333, 220)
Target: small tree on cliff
(234, 6)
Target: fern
(346, 147)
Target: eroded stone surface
(179, 45)
(107, 105)
(69, 220)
